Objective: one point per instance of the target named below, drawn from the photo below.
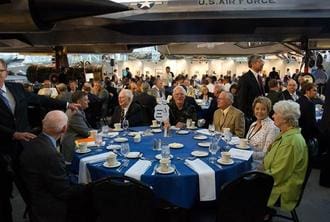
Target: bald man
(291, 92)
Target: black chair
(245, 199)
(294, 215)
(122, 199)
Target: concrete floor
(315, 205)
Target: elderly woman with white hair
(180, 109)
(287, 157)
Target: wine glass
(213, 149)
(227, 139)
(124, 149)
(98, 139)
(125, 125)
(211, 129)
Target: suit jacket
(135, 115)
(248, 90)
(307, 120)
(155, 93)
(233, 120)
(287, 95)
(148, 103)
(43, 172)
(78, 127)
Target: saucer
(182, 132)
(105, 164)
(204, 144)
(159, 156)
(198, 153)
(120, 139)
(132, 134)
(81, 152)
(200, 137)
(170, 170)
(133, 155)
(155, 126)
(113, 147)
(118, 130)
(156, 130)
(242, 147)
(175, 145)
(225, 163)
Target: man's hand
(180, 125)
(23, 136)
(74, 106)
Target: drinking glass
(105, 129)
(124, 149)
(165, 153)
(211, 129)
(227, 139)
(125, 125)
(98, 139)
(213, 149)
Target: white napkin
(240, 154)
(234, 140)
(133, 154)
(204, 131)
(206, 177)
(111, 134)
(139, 168)
(84, 176)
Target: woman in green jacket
(286, 159)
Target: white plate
(200, 137)
(133, 155)
(170, 170)
(113, 147)
(182, 132)
(105, 164)
(132, 134)
(192, 128)
(112, 134)
(159, 156)
(204, 144)
(118, 130)
(86, 151)
(198, 153)
(243, 147)
(156, 130)
(225, 163)
(175, 145)
(120, 139)
(156, 126)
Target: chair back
(245, 199)
(122, 199)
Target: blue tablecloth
(182, 190)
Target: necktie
(122, 115)
(4, 99)
(261, 85)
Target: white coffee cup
(93, 133)
(193, 124)
(188, 123)
(117, 126)
(82, 147)
(243, 142)
(112, 159)
(164, 164)
(225, 157)
(154, 123)
(137, 138)
(226, 130)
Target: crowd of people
(279, 124)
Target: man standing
(168, 77)
(250, 85)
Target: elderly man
(44, 175)
(214, 105)
(228, 116)
(129, 110)
(291, 92)
(180, 109)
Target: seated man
(78, 127)
(228, 116)
(129, 110)
(43, 172)
(291, 92)
(180, 109)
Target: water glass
(157, 144)
(165, 153)
(213, 149)
(105, 129)
(211, 129)
(124, 149)
(98, 139)
(125, 125)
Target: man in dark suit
(129, 110)
(291, 92)
(250, 86)
(43, 171)
(14, 127)
(146, 101)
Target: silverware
(125, 164)
(177, 172)
(218, 165)
(154, 170)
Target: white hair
(229, 96)
(127, 93)
(289, 110)
(54, 121)
(180, 88)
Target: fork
(154, 170)
(125, 164)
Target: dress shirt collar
(3, 88)
(255, 74)
(225, 111)
(52, 140)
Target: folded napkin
(139, 168)
(111, 134)
(240, 154)
(204, 131)
(133, 155)
(234, 140)
(206, 177)
(84, 176)
(174, 128)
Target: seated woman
(205, 94)
(180, 109)
(287, 157)
(78, 127)
(263, 131)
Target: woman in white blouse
(263, 131)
